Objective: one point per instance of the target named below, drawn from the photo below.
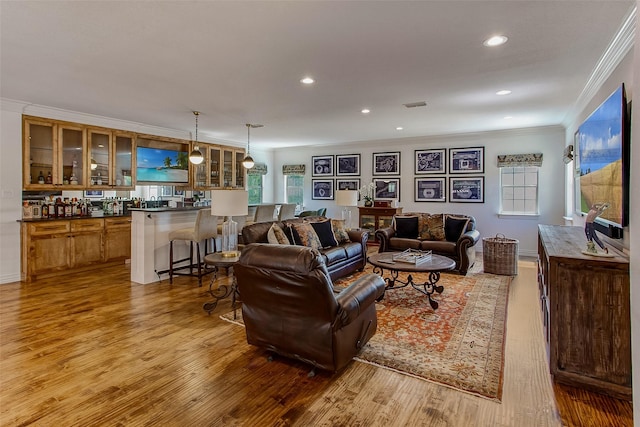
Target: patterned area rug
(460, 345)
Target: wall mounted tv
(602, 168)
(162, 165)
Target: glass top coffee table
(438, 263)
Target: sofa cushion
(454, 227)
(305, 235)
(334, 254)
(276, 235)
(353, 249)
(406, 227)
(325, 233)
(431, 227)
(340, 231)
(442, 247)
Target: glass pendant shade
(196, 156)
(248, 162)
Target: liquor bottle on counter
(45, 210)
(59, 208)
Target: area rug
(459, 345)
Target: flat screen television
(157, 165)
(602, 168)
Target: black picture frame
(431, 161)
(466, 190)
(93, 194)
(430, 190)
(322, 189)
(347, 164)
(322, 165)
(386, 189)
(466, 160)
(387, 163)
(348, 184)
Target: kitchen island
(150, 229)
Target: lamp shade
(347, 198)
(229, 202)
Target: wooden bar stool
(205, 228)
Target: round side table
(217, 261)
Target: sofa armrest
(358, 296)
(383, 235)
(359, 236)
(468, 239)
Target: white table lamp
(227, 204)
(347, 199)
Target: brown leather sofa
(341, 260)
(289, 305)
(460, 248)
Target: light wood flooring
(96, 349)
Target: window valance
(258, 169)
(293, 169)
(519, 160)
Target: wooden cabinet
(111, 159)
(53, 155)
(221, 168)
(54, 247)
(117, 238)
(372, 218)
(586, 312)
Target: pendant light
(196, 156)
(248, 162)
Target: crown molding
(620, 45)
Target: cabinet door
(117, 239)
(99, 155)
(123, 161)
(38, 153)
(71, 165)
(227, 168)
(215, 168)
(86, 249)
(48, 254)
(240, 171)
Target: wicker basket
(500, 255)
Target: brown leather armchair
(290, 307)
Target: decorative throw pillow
(431, 227)
(276, 235)
(340, 231)
(305, 235)
(406, 227)
(325, 233)
(454, 227)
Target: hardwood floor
(97, 349)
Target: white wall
(546, 140)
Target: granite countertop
(168, 209)
(71, 218)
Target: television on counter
(161, 165)
(602, 168)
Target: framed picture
(431, 161)
(430, 190)
(348, 184)
(386, 163)
(177, 192)
(322, 165)
(387, 189)
(94, 194)
(348, 164)
(467, 190)
(322, 189)
(466, 160)
(166, 190)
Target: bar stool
(265, 213)
(287, 211)
(206, 227)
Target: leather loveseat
(346, 257)
(450, 235)
(289, 305)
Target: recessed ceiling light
(307, 81)
(399, 128)
(365, 111)
(503, 92)
(508, 117)
(495, 41)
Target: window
(519, 190)
(294, 189)
(254, 187)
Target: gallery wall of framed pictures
(455, 175)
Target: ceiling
(241, 62)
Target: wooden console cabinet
(58, 247)
(586, 312)
(372, 218)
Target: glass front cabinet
(53, 154)
(111, 159)
(373, 218)
(221, 168)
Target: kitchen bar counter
(70, 218)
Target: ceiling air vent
(415, 104)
